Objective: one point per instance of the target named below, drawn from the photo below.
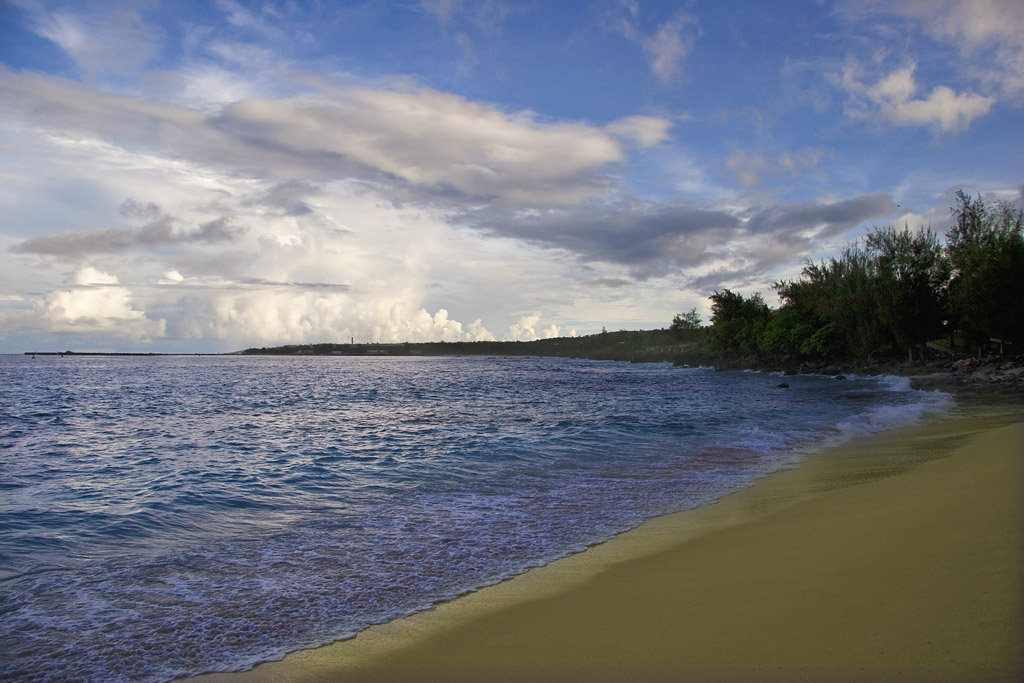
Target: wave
(918, 406)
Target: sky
(210, 176)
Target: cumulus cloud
(525, 329)
(264, 314)
(942, 109)
(92, 301)
(893, 99)
(87, 275)
(236, 313)
(989, 35)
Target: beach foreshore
(895, 556)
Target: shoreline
(838, 569)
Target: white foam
(921, 404)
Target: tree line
(889, 295)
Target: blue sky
(210, 176)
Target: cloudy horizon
(207, 177)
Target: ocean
(172, 515)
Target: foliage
(912, 274)
(683, 323)
(986, 250)
(890, 294)
(738, 323)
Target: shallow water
(172, 515)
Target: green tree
(912, 274)
(684, 322)
(891, 293)
(836, 303)
(785, 334)
(738, 323)
(986, 250)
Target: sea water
(164, 516)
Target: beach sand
(894, 557)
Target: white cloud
(434, 140)
(115, 41)
(895, 88)
(235, 314)
(92, 302)
(943, 109)
(975, 22)
(267, 315)
(988, 33)
(477, 332)
(893, 99)
(667, 47)
(425, 139)
(87, 275)
(645, 131)
(319, 261)
(525, 329)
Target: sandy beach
(895, 556)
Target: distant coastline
(113, 353)
(957, 373)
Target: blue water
(164, 516)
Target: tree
(836, 302)
(684, 322)
(912, 274)
(892, 293)
(738, 323)
(986, 251)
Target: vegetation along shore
(949, 313)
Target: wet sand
(896, 556)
